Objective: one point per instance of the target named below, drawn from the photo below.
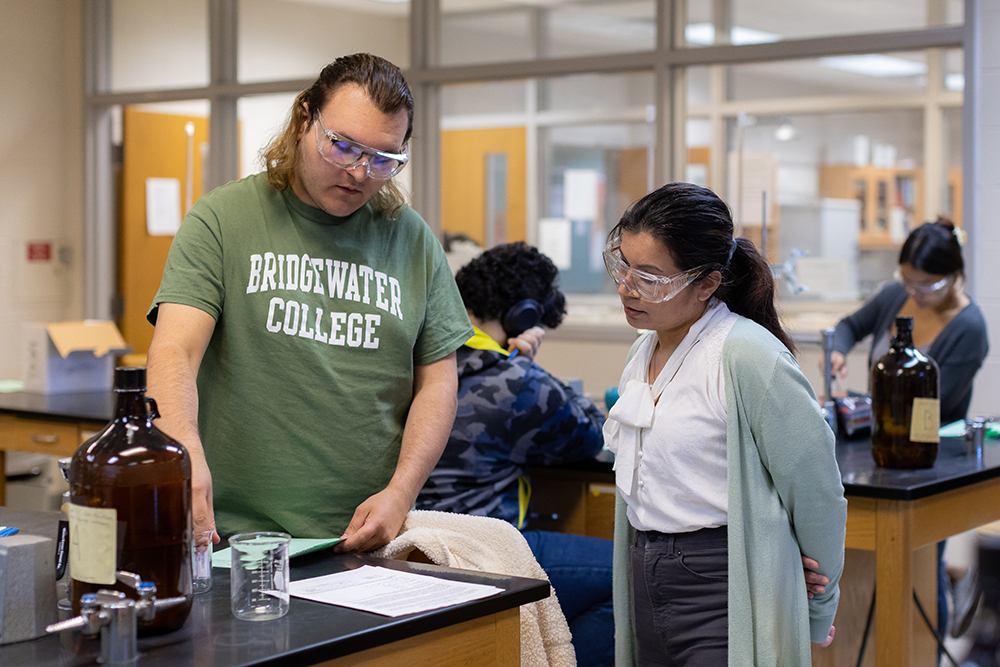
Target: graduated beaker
(259, 575)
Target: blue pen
(7, 531)
(512, 354)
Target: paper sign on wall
(581, 189)
(555, 239)
(163, 206)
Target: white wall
(985, 250)
(41, 170)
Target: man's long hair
(387, 90)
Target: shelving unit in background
(891, 200)
(885, 193)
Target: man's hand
(376, 522)
(815, 582)
(829, 637)
(527, 342)
(202, 510)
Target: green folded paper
(297, 547)
(956, 429)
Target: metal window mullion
(100, 251)
(665, 123)
(532, 155)
(911, 40)
(223, 36)
(935, 172)
(971, 154)
(425, 160)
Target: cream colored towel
(490, 545)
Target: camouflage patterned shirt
(511, 413)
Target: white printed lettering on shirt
(346, 329)
(256, 261)
(366, 273)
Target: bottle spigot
(64, 465)
(115, 616)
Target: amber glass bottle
(906, 412)
(130, 508)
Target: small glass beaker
(201, 562)
(259, 575)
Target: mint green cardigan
(785, 498)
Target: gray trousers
(680, 594)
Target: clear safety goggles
(650, 287)
(916, 288)
(347, 154)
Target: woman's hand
(815, 582)
(838, 364)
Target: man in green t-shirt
(306, 326)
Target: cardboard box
(63, 357)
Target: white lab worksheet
(388, 592)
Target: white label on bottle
(93, 536)
(925, 420)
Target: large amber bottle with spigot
(906, 410)
(130, 507)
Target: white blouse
(669, 436)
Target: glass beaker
(259, 575)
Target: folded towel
(486, 544)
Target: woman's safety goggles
(347, 154)
(916, 288)
(649, 287)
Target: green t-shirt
(306, 384)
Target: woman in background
(724, 465)
(947, 327)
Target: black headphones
(525, 314)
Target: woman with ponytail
(727, 482)
(947, 326)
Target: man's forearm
(424, 438)
(428, 426)
(173, 384)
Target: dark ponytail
(697, 228)
(748, 289)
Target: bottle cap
(905, 323)
(130, 378)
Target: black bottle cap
(130, 378)
(904, 323)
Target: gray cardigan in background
(959, 349)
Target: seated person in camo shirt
(512, 413)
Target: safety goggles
(348, 154)
(915, 288)
(650, 287)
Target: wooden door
(463, 180)
(156, 146)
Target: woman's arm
(959, 352)
(865, 320)
(796, 448)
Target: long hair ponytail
(748, 289)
